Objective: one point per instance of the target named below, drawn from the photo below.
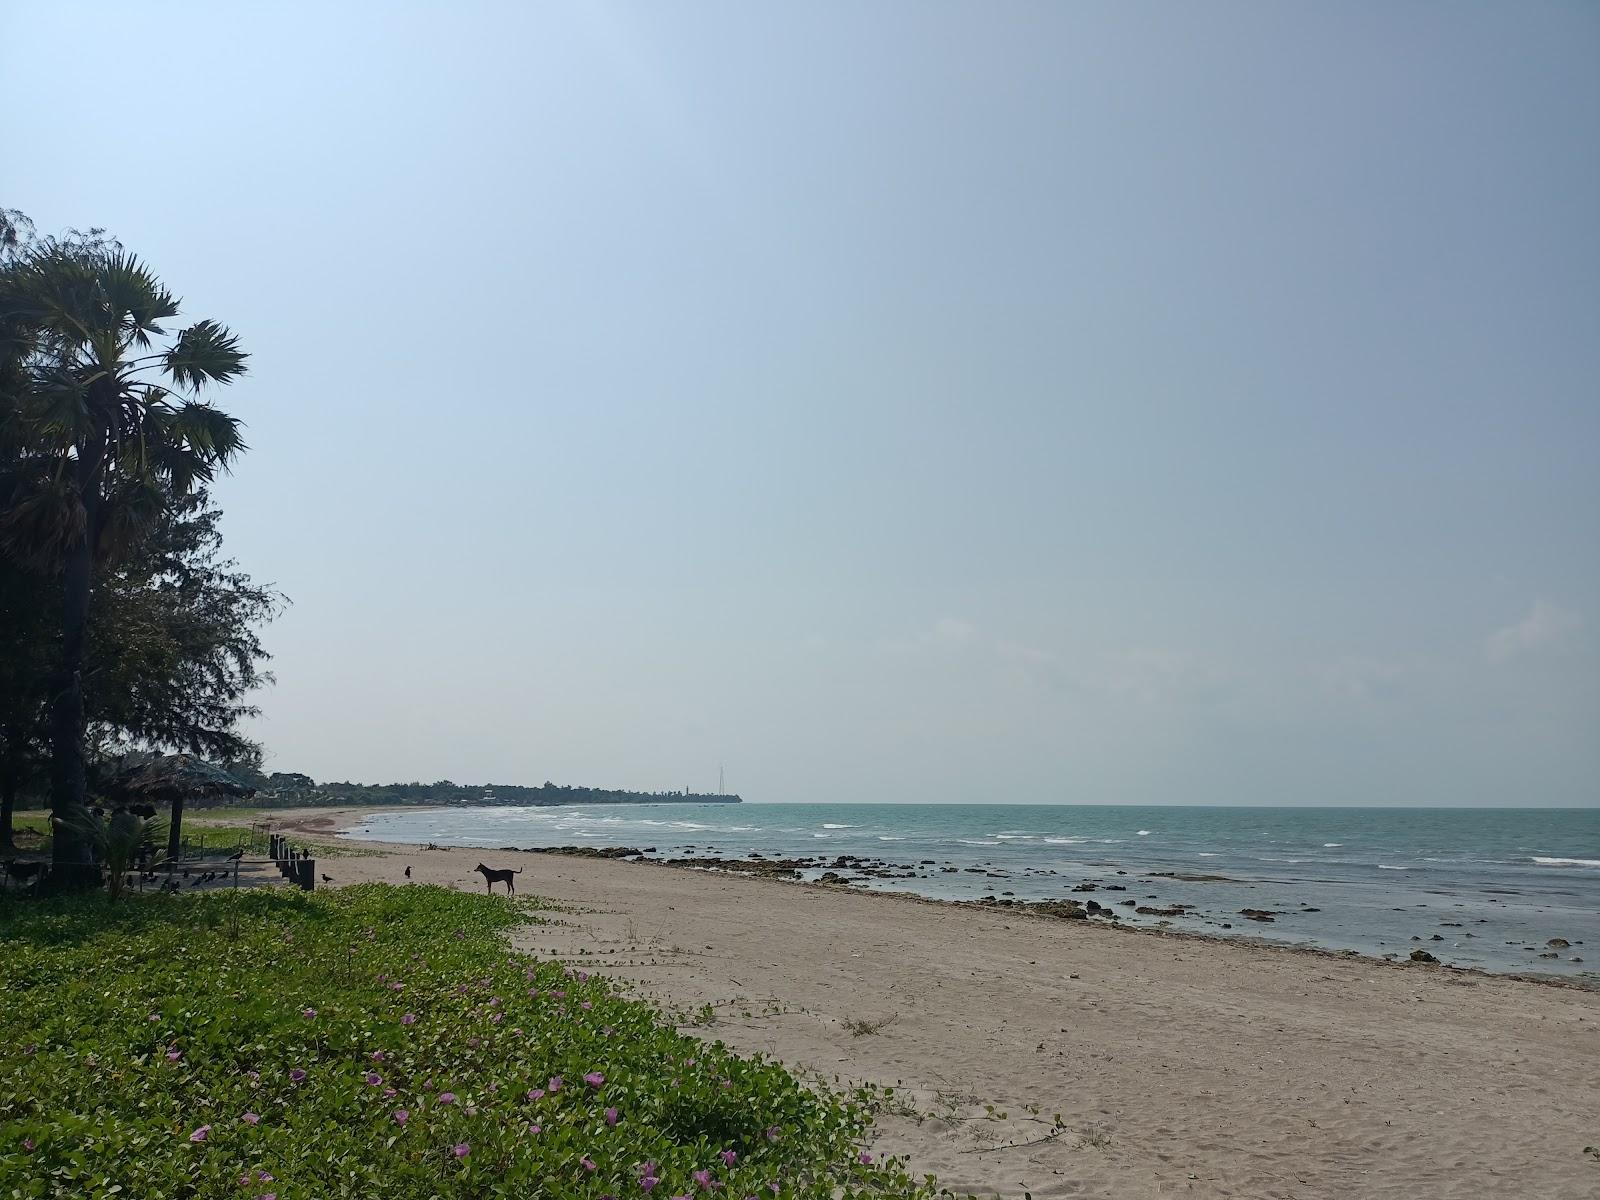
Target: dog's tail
(519, 870)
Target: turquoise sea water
(1494, 884)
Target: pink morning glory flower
(594, 1079)
(174, 1055)
(586, 1006)
(373, 1079)
(377, 1056)
(401, 1116)
(308, 1012)
(611, 1116)
(866, 1159)
(201, 1134)
(588, 1164)
(409, 1019)
(554, 1085)
(729, 1157)
(297, 1076)
(267, 1196)
(462, 1149)
(703, 1178)
(648, 1182)
(251, 1118)
(535, 1093)
(389, 1093)
(535, 1128)
(265, 1176)
(447, 1097)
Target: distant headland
(290, 789)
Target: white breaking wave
(1331, 845)
(827, 825)
(971, 842)
(1384, 867)
(1069, 841)
(1566, 862)
(1144, 833)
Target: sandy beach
(1178, 1066)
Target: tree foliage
(124, 622)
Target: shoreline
(1183, 1064)
(337, 821)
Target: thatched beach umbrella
(175, 778)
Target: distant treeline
(289, 789)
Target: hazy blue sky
(991, 401)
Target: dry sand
(1181, 1067)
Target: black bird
(236, 855)
(408, 872)
(186, 872)
(327, 879)
(197, 882)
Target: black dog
(492, 877)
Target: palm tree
(104, 429)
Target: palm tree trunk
(68, 787)
(8, 802)
(175, 829)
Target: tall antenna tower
(722, 782)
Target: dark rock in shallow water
(1422, 956)
(1127, 903)
(1171, 910)
(1436, 938)
(1558, 943)
(1086, 887)
(1259, 914)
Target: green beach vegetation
(375, 1041)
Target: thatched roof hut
(175, 778)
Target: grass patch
(374, 1041)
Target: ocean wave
(1566, 862)
(1144, 833)
(829, 825)
(1067, 841)
(1014, 837)
(972, 842)
(1383, 867)
(1331, 845)
(883, 837)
